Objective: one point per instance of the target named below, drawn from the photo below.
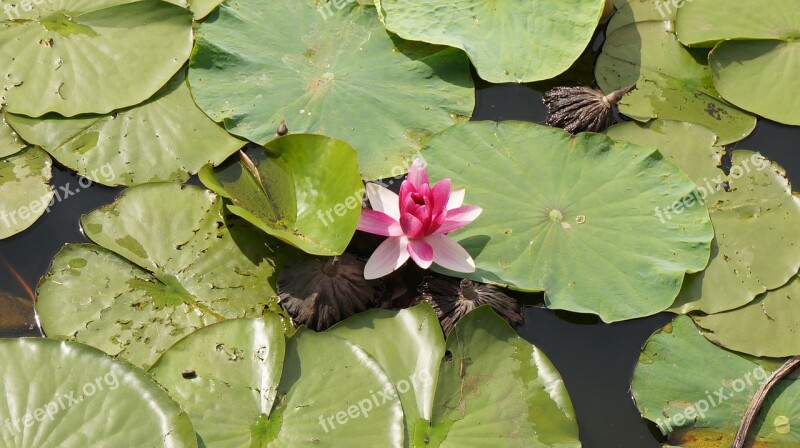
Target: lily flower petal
(379, 223)
(440, 195)
(417, 173)
(456, 198)
(450, 255)
(389, 256)
(411, 226)
(458, 218)
(383, 200)
(421, 252)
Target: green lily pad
(165, 266)
(166, 138)
(573, 216)
(69, 395)
(303, 189)
(249, 387)
(758, 62)
(511, 41)
(10, 144)
(492, 387)
(74, 56)
(757, 222)
(25, 192)
(673, 83)
(697, 392)
(770, 326)
(260, 63)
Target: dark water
(595, 359)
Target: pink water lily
(416, 222)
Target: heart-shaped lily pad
(491, 387)
(262, 62)
(757, 64)
(247, 386)
(510, 41)
(25, 191)
(697, 393)
(573, 216)
(770, 326)
(166, 265)
(166, 138)
(69, 395)
(77, 56)
(756, 219)
(673, 83)
(303, 189)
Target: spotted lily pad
(24, 190)
(756, 55)
(756, 219)
(491, 384)
(573, 216)
(303, 189)
(166, 138)
(66, 394)
(510, 41)
(243, 385)
(78, 56)
(697, 393)
(673, 83)
(165, 265)
(9, 142)
(770, 326)
(263, 62)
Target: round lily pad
(673, 83)
(249, 387)
(697, 393)
(303, 189)
(65, 394)
(491, 384)
(770, 326)
(510, 41)
(260, 63)
(757, 63)
(74, 56)
(573, 216)
(756, 218)
(25, 192)
(166, 138)
(165, 265)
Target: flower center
(418, 198)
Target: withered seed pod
(321, 291)
(452, 299)
(582, 109)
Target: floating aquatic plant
(581, 109)
(416, 222)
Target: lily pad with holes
(79, 56)
(165, 264)
(511, 41)
(25, 192)
(756, 52)
(260, 63)
(697, 393)
(770, 326)
(66, 394)
(573, 216)
(756, 219)
(250, 387)
(673, 83)
(303, 189)
(166, 138)
(491, 385)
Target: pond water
(596, 360)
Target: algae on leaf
(25, 192)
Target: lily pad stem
(755, 404)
